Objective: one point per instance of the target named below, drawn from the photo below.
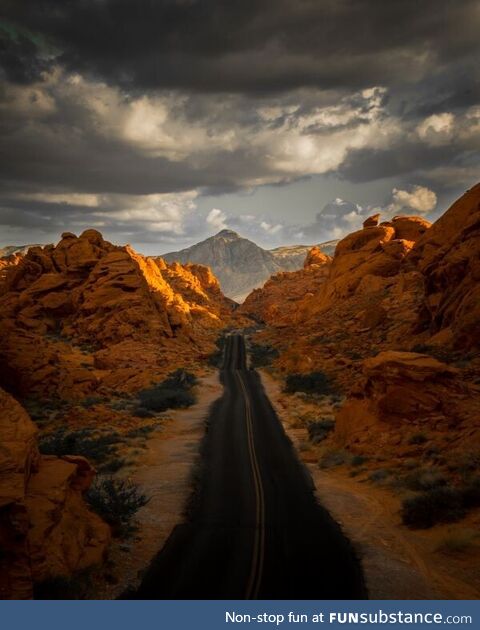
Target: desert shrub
(465, 463)
(216, 358)
(438, 505)
(319, 430)
(91, 401)
(172, 393)
(95, 445)
(418, 438)
(357, 471)
(379, 475)
(332, 458)
(457, 542)
(423, 479)
(112, 465)
(262, 355)
(116, 501)
(311, 383)
(162, 398)
(471, 493)
(140, 431)
(141, 412)
(358, 460)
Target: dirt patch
(164, 472)
(398, 563)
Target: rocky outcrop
(448, 256)
(46, 528)
(315, 256)
(371, 221)
(392, 286)
(285, 295)
(402, 393)
(60, 306)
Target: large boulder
(46, 528)
(88, 293)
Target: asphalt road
(255, 530)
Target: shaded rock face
(46, 529)
(405, 392)
(285, 295)
(448, 256)
(88, 293)
(239, 264)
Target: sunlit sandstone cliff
(87, 316)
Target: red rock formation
(448, 256)
(46, 529)
(403, 393)
(284, 296)
(392, 286)
(88, 293)
(371, 221)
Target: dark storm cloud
(254, 45)
(133, 101)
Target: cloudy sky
(161, 122)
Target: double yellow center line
(256, 572)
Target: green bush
(172, 393)
(94, 445)
(116, 501)
(312, 383)
(438, 505)
(319, 430)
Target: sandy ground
(399, 563)
(164, 473)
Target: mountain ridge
(240, 264)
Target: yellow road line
(259, 541)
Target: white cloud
(420, 199)
(437, 129)
(162, 213)
(217, 219)
(271, 229)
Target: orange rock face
(79, 317)
(448, 255)
(284, 296)
(404, 392)
(46, 529)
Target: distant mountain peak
(227, 234)
(240, 264)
